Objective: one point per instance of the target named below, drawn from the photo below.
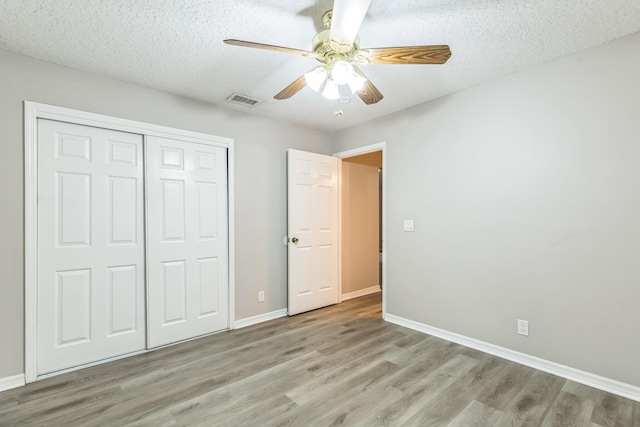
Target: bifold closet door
(90, 291)
(187, 236)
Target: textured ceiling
(176, 45)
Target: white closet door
(90, 292)
(188, 293)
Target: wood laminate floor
(341, 365)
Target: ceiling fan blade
(369, 93)
(266, 47)
(347, 16)
(292, 89)
(437, 54)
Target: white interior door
(187, 232)
(90, 285)
(312, 201)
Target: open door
(312, 200)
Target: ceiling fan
(338, 49)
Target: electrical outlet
(523, 327)
(260, 296)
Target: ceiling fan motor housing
(328, 51)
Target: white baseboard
(254, 320)
(592, 380)
(7, 383)
(361, 292)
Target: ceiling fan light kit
(336, 80)
(338, 48)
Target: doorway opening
(362, 223)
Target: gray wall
(525, 193)
(260, 196)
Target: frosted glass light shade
(331, 90)
(356, 82)
(315, 78)
(341, 72)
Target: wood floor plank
(530, 405)
(569, 410)
(344, 411)
(510, 381)
(244, 395)
(477, 414)
(417, 397)
(262, 414)
(432, 350)
(612, 411)
(349, 353)
(448, 402)
(350, 337)
(331, 407)
(341, 365)
(351, 375)
(635, 414)
(40, 411)
(435, 360)
(411, 338)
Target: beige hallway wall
(360, 226)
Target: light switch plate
(408, 225)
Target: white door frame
(381, 146)
(34, 111)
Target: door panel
(172, 210)
(313, 221)
(208, 282)
(174, 292)
(207, 203)
(187, 240)
(122, 299)
(122, 220)
(73, 307)
(73, 208)
(90, 292)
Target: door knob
(295, 240)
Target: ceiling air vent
(242, 99)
